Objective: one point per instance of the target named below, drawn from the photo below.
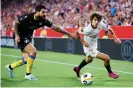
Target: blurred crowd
(70, 13)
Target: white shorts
(91, 51)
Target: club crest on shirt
(26, 41)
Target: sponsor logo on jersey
(26, 41)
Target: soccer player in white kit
(89, 42)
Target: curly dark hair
(98, 16)
(39, 7)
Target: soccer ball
(86, 79)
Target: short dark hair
(39, 7)
(98, 16)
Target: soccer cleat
(10, 72)
(113, 75)
(76, 69)
(30, 77)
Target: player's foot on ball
(76, 69)
(10, 72)
(30, 77)
(113, 75)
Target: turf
(55, 70)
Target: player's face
(95, 22)
(42, 13)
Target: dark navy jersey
(27, 24)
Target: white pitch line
(65, 63)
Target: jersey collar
(35, 17)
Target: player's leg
(106, 60)
(19, 62)
(32, 55)
(87, 60)
(90, 53)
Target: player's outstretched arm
(58, 29)
(117, 40)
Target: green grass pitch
(55, 70)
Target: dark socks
(10, 67)
(28, 73)
(108, 69)
(82, 64)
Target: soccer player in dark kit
(24, 27)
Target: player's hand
(85, 44)
(117, 40)
(17, 39)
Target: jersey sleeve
(23, 19)
(48, 23)
(84, 30)
(104, 25)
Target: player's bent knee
(107, 58)
(33, 52)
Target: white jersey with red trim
(91, 36)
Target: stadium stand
(68, 13)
